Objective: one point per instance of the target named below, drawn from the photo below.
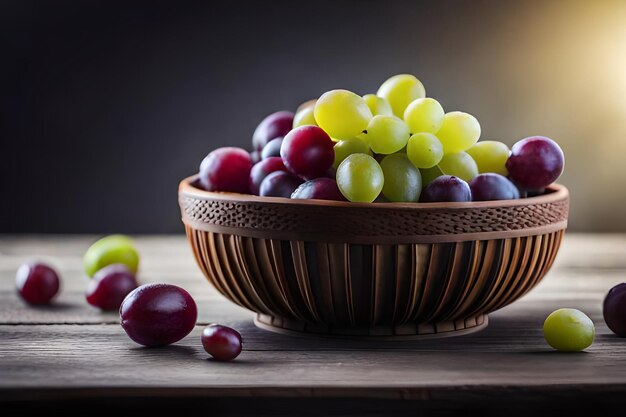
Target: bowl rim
(557, 192)
(370, 223)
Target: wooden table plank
(72, 350)
(509, 353)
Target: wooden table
(70, 356)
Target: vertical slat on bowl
(383, 285)
(420, 259)
(435, 279)
(248, 259)
(403, 279)
(302, 278)
(360, 281)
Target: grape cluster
(393, 146)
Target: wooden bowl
(373, 270)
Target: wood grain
(70, 350)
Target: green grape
(569, 330)
(424, 150)
(459, 164)
(400, 90)
(387, 134)
(304, 117)
(347, 147)
(308, 103)
(458, 131)
(403, 182)
(429, 174)
(490, 156)
(360, 178)
(424, 115)
(377, 105)
(112, 249)
(342, 114)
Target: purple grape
(109, 286)
(446, 188)
(158, 314)
(614, 309)
(272, 148)
(279, 184)
(275, 125)
(226, 169)
(262, 169)
(221, 342)
(319, 188)
(331, 173)
(491, 186)
(535, 162)
(308, 152)
(37, 283)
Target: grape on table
(569, 330)
(37, 283)
(614, 309)
(223, 343)
(158, 314)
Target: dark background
(107, 105)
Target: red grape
(446, 188)
(226, 169)
(491, 186)
(319, 188)
(614, 309)
(37, 283)
(221, 342)
(308, 152)
(272, 148)
(279, 184)
(158, 314)
(275, 125)
(535, 162)
(109, 286)
(262, 169)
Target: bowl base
(408, 331)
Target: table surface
(72, 351)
